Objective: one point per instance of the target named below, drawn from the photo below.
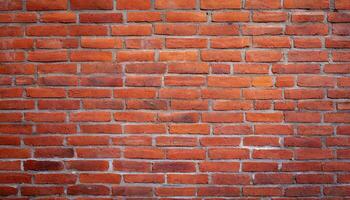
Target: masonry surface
(174, 99)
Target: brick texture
(174, 99)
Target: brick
(126, 56)
(316, 81)
(262, 191)
(11, 5)
(300, 94)
(58, 80)
(91, 5)
(136, 30)
(307, 17)
(173, 167)
(11, 56)
(11, 31)
(210, 166)
(133, 141)
(221, 4)
(231, 105)
(134, 5)
(10, 140)
(314, 4)
(337, 190)
(263, 56)
(146, 104)
(100, 18)
(342, 4)
(132, 166)
(218, 30)
(222, 81)
(15, 178)
(312, 29)
(313, 154)
(259, 167)
(305, 117)
(43, 165)
(42, 191)
(222, 141)
(144, 153)
(263, 4)
(269, 16)
(232, 130)
(273, 154)
(222, 191)
(185, 43)
(87, 165)
(189, 104)
(40, 141)
(228, 153)
(262, 94)
(262, 30)
(186, 17)
(271, 42)
(87, 140)
(86, 93)
(230, 179)
(7, 191)
(16, 44)
(261, 141)
(88, 56)
(57, 68)
(46, 5)
(58, 17)
(302, 191)
(221, 56)
(103, 104)
(307, 56)
(88, 189)
(178, 56)
(52, 30)
(144, 16)
(229, 42)
(146, 43)
(314, 178)
(230, 17)
(295, 68)
(175, 4)
(189, 129)
(90, 116)
(143, 178)
(100, 178)
(217, 117)
(132, 191)
(54, 153)
(47, 56)
(88, 30)
(55, 178)
(146, 68)
(56, 128)
(187, 178)
(302, 142)
(270, 178)
(338, 17)
(175, 29)
(184, 81)
(175, 141)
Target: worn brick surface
(174, 99)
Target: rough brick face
(174, 99)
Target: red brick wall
(174, 99)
